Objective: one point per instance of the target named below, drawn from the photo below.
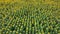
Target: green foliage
(29, 18)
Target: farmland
(29, 16)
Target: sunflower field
(29, 16)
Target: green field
(29, 16)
